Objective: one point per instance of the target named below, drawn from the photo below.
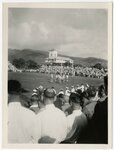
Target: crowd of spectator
(74, 71)
(66, 70)
(77, 114)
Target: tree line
(30, 64)
(22, 64)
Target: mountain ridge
(39, 56)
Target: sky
(72, 32)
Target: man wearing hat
(61, 92)
(34, 103)
(53, 120)
(22, 125)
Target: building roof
(64, 58)
(52, 50)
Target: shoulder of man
(31, 114)
(89, 108)
(40, 113)
(60, 112)
(81, 120)
(101, 107)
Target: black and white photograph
(58, 75)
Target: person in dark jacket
(97, 130)
(100, 118)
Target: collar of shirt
(18, 104)
(41, 109)
(34, 105)
(77, 112)
(50, 106)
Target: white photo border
(96, 5)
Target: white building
(54, 58)
(52, 54)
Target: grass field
(31, 80)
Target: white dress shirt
(53, 123)
(22, 125)
(70, 121)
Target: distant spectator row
(69, 70)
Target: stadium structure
(54, 58)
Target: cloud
(78, 32)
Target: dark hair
(79, 91)
(106, 84)
(49, 93)
(101, 89)
(89, 93)
(60, 95)
(14, 86)
(34, 98)
(75, 98)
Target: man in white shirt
(67, 94)
(53, 120)
(77, 120)
(22, 124)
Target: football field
(32, 80)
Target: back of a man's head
(49, 95)
(14, 91)
(101, 91)
(61, 95)
(14, 87)
(89, 93)
(75, 98)
(34, 98)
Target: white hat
(34, 90)
(34, 94)
(61, 92)
(40, 87)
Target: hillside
(39, 57)
(90, 61)
(27, 54)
